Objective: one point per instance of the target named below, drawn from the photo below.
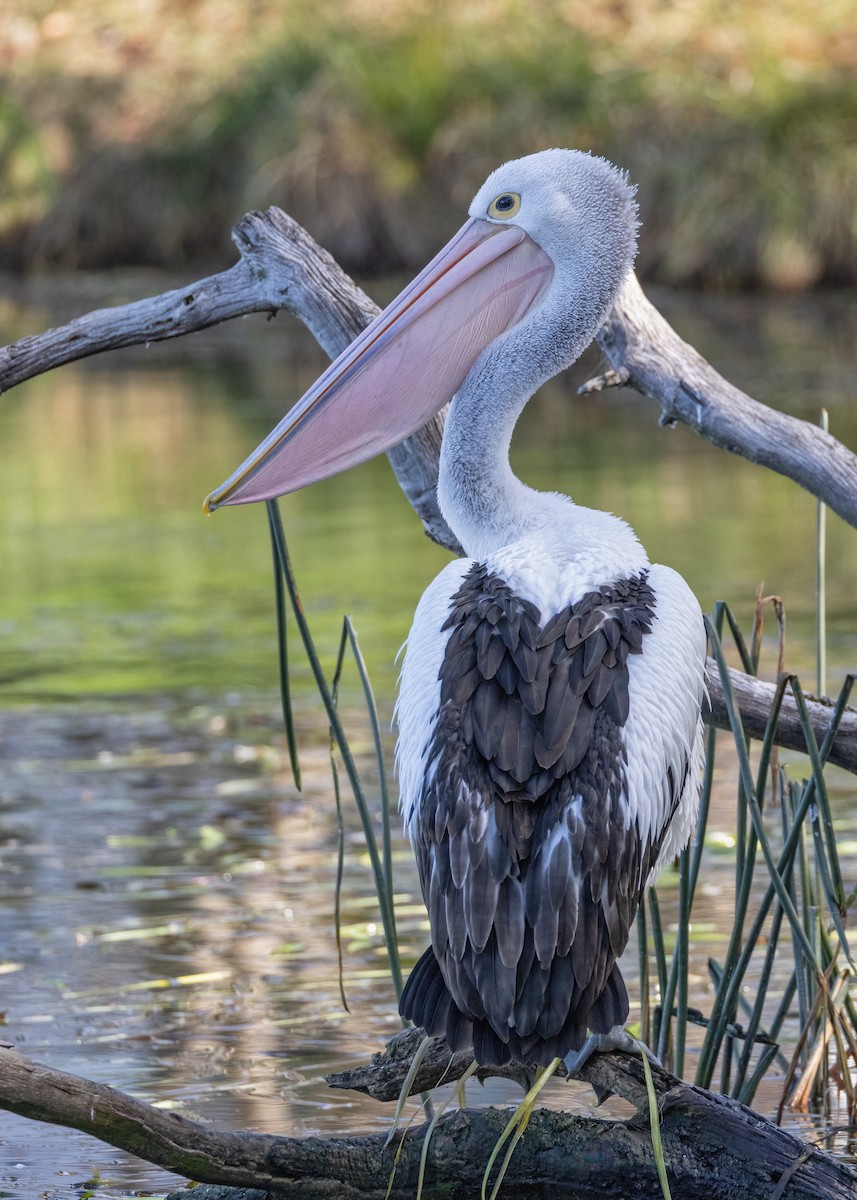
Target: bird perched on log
(549, 748)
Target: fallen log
(714, 1148)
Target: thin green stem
(340, 828)
(372, 709)
(680, 958)
(704, 806)
(655, 1128)
(387, 918)
(821, 586)
(804, 981)
(643, 971)
(721, 610)
(663, 1025)
(283, 657)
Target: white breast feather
(584, 550)
(664, 726)
(576, 551)
(419, 685)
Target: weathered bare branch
(645, 349)
(715, 1149)
(280, 267)
(283, 268)
(754, 698)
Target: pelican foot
(602, 1043)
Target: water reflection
(113, 581)
(166, 894)
(166, 923)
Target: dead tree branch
(646, 352)
(754, 698)
(282, 268)
(715, 1149)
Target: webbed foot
(602, 1043)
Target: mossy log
(714, 1147)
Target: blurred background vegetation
(135, 132)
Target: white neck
(483, 501)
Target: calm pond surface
(166, 894)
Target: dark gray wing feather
(530, 872)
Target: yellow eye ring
(507, 204)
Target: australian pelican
(549, 709)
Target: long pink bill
(403, 367)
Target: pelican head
(578, 208)
(558, 227)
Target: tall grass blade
(340, 831)
(704, 806)
(372, 710)
(658, 938)
(680, 960)
(392, 1178)
(433, 1125)
(783, 1010)
(282, 652)
(643, 971)
(721, 610)
(655, 1126)
(516, 1125)
(662, 1013)
(507, 1157)
(821, 586)
(340, 870)
(386, 912)
(797, 800)
(416, 1063)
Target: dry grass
(138, 132)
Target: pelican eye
(506, 205)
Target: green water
(113, 581)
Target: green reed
(381, 863)
(795, 866)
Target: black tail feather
(612, 1007)
(427, 1002)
